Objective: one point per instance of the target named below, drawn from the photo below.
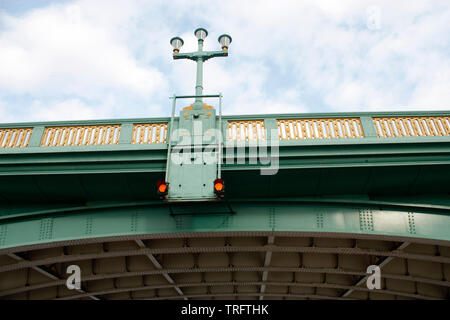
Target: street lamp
(199, 56)
(201, 33)
(225, 41)
(176, 43)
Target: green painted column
(198, 105)
(368, 127)
(126, 132)
(36, 136)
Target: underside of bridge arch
(232, 265)
(238, 251)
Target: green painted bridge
(311, 200)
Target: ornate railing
(388, 127)
(297, 129)
(80, 135)
(246, 130)
(290, 128)
(149, 133)
(15, 137)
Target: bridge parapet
(350, 127)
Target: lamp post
(200, 56)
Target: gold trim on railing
(149, 133)
(391, 127)
(298, 129)
(81, 135)
(246, 130)
(15, 138)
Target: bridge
(311, 200)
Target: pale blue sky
(93, 59)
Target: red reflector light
(162, 188)
(219, 187)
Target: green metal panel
(425, 203)
(192, 180)
(193, 176)
(322, 218)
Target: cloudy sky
(95, 59)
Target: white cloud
(72, 49)
(327, 48)
(286, 56)
(3, 113)
(71, 109)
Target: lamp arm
(205, 55)
(212, 54)
(188, 55)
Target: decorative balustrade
(390, 127)
(298, 129)
(149, 133)
(290, 129)
(15, 138)
(81, 135)
(246, 130)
